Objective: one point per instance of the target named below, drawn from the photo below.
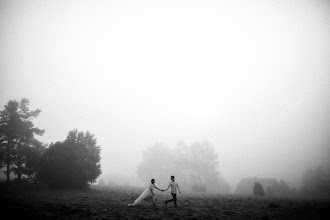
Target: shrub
(101, 182)
(198, 188)
(72, 163)
(258, 190)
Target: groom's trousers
(172, 200)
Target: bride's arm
(167, 187)
(157, 188)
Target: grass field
(41, 202)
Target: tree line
(74, 162)
(196, 166)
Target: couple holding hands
(149, 193)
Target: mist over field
(251, 78)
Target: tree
(33, 158)
(195, 165)
(158, 163)
(316, 183)
(74, 162)
(17, 129)
(3, 146)
(199, 162)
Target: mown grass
(35, 201)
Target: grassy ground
(41, 202)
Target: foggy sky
(251, 77)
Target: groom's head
(172, 178)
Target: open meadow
(41, 202)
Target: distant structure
(245, 186)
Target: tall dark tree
(18, 131)
(3, 146)
(33, 157)
(74, 162)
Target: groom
(174, 187)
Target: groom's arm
(169, 185)
(179, 188)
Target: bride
(147, 194)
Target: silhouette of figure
(174, 187)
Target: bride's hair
(152, 180)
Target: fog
(250, 77)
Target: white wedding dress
(145, 195)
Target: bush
(198, 188)
(101, 182)
(258, 190)
(72, 163)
